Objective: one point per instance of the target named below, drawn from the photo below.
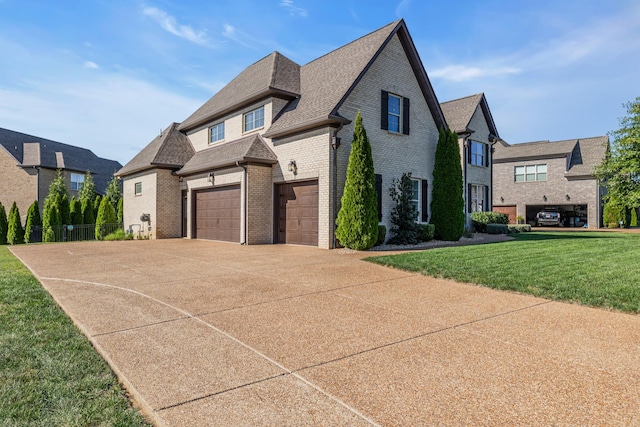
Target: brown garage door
(218, 214)
(297, 213)
(509, 210)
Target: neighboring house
(28, 164)
(558, 176)
(471, 119)
(264, 160)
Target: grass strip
(590, 268)
(50, 375)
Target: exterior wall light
(293, 167)
(210, 177)
(501, 199)
(568, 197)
(544, 198)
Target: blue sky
(109, 74)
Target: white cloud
(463, 72)
(293, 9)
(91, 65)
(402, 6)
(169, 23)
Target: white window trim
(536, 173)
(78, 183)
(418, 199)
(479, 190)
(135, 188)
(244, 120)
(389, 113)
(217, 125)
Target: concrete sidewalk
(209, 334)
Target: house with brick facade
(28, 164)
(550, 176)
(470, 118)
(264, 160)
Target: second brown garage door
(297, 213)
(509, 210)
(218, 214)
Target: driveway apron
(208, 333)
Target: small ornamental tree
(88, 190)
(106, 215)
(33, 220)
(357, 223)
(75, 211)
(15, 232)
(3, 225)
(96, 205)
(58, 187)
(447, 203)
(65, 209)
(88, 215)
(114, 192)
(404, 215)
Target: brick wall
(393, 154)
(168, 205)
(260, 206)
(17, 185)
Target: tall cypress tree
(33, 220)
(15, 232)
(447, 202)
(357, 223)
(3, 225)
(106, 215)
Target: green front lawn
(50, 375)
(591, 268)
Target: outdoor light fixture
(544, 198)
(501, 199)
(293, 167)
(568, 197)
(210, 178)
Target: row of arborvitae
(357, 222)
(88, 209)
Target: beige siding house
(28, 164)
(553, 176)
(265, 159)
(470, 118)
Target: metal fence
(69, 233)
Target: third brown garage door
(218, 214)
(297, 213)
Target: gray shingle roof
(585, 153)
(459, 113)
(327, 81)
(273, 74)
(171, 149)
(250, 148)
(33, 151)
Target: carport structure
(212, 333)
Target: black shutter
(485, 148)
(384, 110)
(486, 199)
(469, 144)
(379, 191)
(425, 201)
(469, 198)
(405, 116)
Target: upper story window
(254, 119)
(478, 153)
(394, 113)
(530, 173)
(216, 133)
(77, 180)
(138, 188)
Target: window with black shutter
(394, 113)
(379, 191)
(425, 204)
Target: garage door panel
(218, 214)
(298, 213)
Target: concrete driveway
(215, 334)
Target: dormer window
(216, 133)
(254, 119)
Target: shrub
(634, 217)
(3, 225)
(75, 208)
(113, 192)
(481, 219)
(357, 222)
(51, 222)
(447, 202)
(120, 211)
(119, 235)
(33, 220)
(426, 232)
(614, 212)
(88, 215)
(517, 228)
(382, 234)
(106, 215)
(15, 232)
(404, 228)
(497, 229)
